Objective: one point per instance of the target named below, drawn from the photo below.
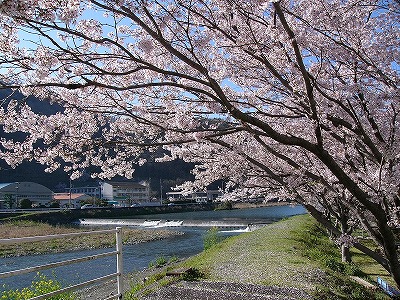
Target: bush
(25, 203)
(193, 275)
(211, 238)
(40, 285)
(158, 262)
(226, 205)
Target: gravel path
(101, 291)
(201, 290)
(109, 288)
(224, 290)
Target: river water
(137, 257)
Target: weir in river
(221, 224)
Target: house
(72, 200)
(11, 194)
(125, 193)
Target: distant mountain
(34, 103)
(28, 171)
(159, 174)
(167, 174)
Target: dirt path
(226, 290)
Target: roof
(2, 185)
(125, 184)
(66, 196)
(24, 187)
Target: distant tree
(291, 99)
(54, 204)
(226, 205)
(96, 201)
(25, 203)
(103, 203)
(9, 200)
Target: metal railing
(117, 253)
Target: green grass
(141, 287)
(162, 261)
(370, 267)
(211, 238)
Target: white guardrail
(117, 252)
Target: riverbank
(290, 256)
(18, 229)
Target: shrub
(25, 203)
(335, 265)
(193, 275)
(226, 205)
(211, 238)
(40, 285)
(161, 261)
(158, 262)
(54, 205)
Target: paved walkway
(225, 291)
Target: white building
(11, 194)
(125, 193)
(93, 191)
(196, 197)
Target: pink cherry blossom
(289, 99)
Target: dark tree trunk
(346, 255)
(390, 249)
(345, 248)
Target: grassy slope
(370, 267)
(267, 256)
(293, 252)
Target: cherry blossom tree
(282, 98)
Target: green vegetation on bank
(211, 238)
(295, 252)
(40, 285)
(162, 261)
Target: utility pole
(16, 194)
(70, 196)
(161, 197)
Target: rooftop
(66, 196)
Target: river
(137, 257)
